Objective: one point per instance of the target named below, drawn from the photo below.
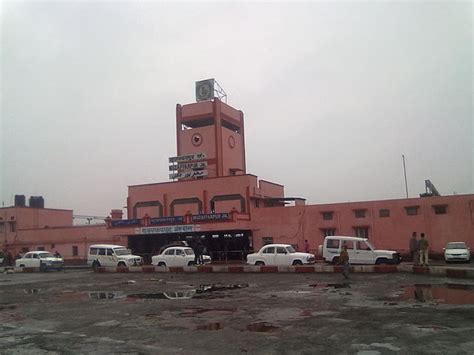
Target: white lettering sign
(187, 166)
(167, 229)
(188, 158)
(188, 174)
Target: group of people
(419, 249)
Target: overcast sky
(333, 94)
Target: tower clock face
(196, 139)
(204, 90)
(231, 142)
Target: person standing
(423, 247)
(414, 249)
(344, 260)
(306, 246)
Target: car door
(363, 254)
(168, 257)
(34, 261)
(282, 256)
(268, 255)
(179, 258)
(26, 260)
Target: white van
(111, 255)
(360, 251)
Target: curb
(317, 268)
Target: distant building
(212, 198)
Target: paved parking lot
(83, 312)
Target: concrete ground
(80, 312)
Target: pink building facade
(213, 199)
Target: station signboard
(187, 166)
(168, 229)
(187, 158)
(211, 217)
(188, 174)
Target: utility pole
(405, 173)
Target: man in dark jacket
(414, 248)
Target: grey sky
(333, 94)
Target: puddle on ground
(262, 327)
(210, 326)
(32, 290)
(334, 285)
(439, 293)
(202, 291)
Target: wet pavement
(84, 312)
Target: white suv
(360, 251)
(111, 255)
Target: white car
(41, 259)
(457, 251)
(279, 254)
(360, 251)
(177, 256)
(112, 255)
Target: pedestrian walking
(414, 249)
(306, 246)
(344, 260)
(423, 247)
(197, 252)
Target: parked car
(360, 250)
(457, 251)
(111, 255)
(279, 254)
(177, 256)
(41, 259)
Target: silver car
(457, 251)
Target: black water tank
(36, 202)
(20, 200)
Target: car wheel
(335, 260)
(380, 261)
(161, 263)
(191, 263)
(22, 266)
(121, 264)
(297, 262)
(259, 263)
(95, 265)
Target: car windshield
(370, 245)
(456, 246)
(189, 251)
(46, 255)
(122, 251)
(290, 249)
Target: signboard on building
(167, 220)
(168, 229)
(187, 166)
(211, 217)
(188, 158)
(125, 222)
(188, 174)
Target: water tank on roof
(20, 200)
(36, 202)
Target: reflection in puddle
(334, 285)
(198, 292)
(32, 290)
(263, 327)
(442, 293)
(101, 295)
(210, 326)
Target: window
(267, 240)
(179, 252)
(75, 251)
(2, 227)
(101, 251)
(13, 226)
(110, 252)
(412, 210)
(332, 243)
(361, 232)
(359, 213)
(281, 250)
(169, 252)
(28, 256)
(328, 231)
(327, 216)
(257, 203)
(384, 213)
(269, 250)
(440, 209)
(93, 251)
(362, 246)
(35, 256)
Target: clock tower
(214, 128)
